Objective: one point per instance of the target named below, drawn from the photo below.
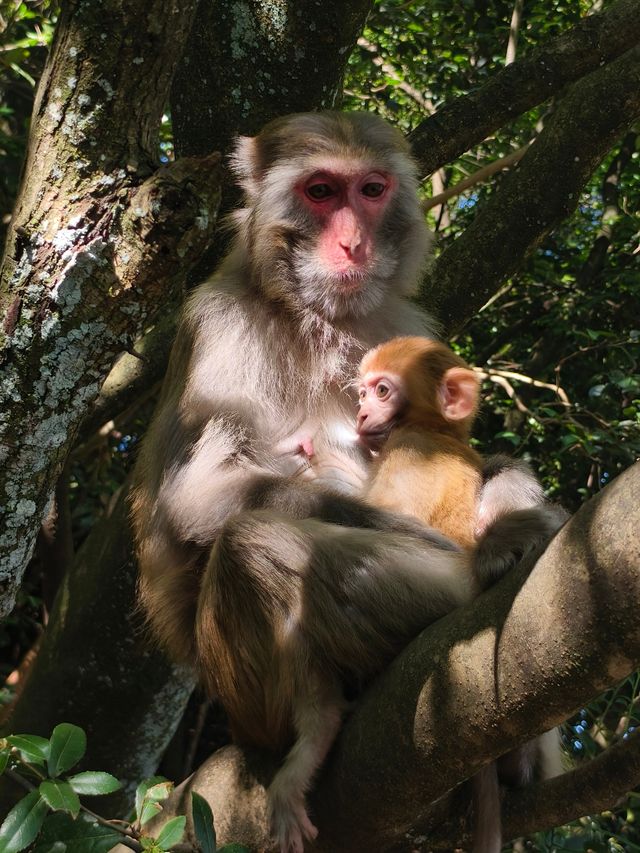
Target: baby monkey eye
(382, 390)
(362, 393)
(373, 189)
(318, 192)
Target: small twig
(511, 392)
(423, 102)
(516, 20)
(493, 374)
(600, 345)
(135, 353)
(201, 719)
(477, 177)
(20, 780)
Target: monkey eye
(382, 391)
(373, 189)
(319, 191)
(362, 393)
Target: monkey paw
(291, 824)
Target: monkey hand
(297, 499)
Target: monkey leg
(290, 607)
(317, 720)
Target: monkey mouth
(350, 278)
(374, 440)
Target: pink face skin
(381, 399)
(348, 208)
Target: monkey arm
(301, 500)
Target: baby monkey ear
(459, 393)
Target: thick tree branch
(133, 375)
(476, 684)
(519, 215)
(97, 242)
(523, 84)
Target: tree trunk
(97, 242)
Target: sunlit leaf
(32, 748)
(60, 796)
(94, 782)
(172, 832)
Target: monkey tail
(487, 822)
(524, 533)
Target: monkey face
(333, 222)
(381, 399)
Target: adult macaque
(417, 404)
(274, 585)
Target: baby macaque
(418, 401)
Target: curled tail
(487, 821)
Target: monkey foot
(291, 826)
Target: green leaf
(158, 793)
(203, 823)
(172, 832)
(141, 791)
(31, 747)
(83, 835)
(149, 810)
(94, 782)
(60, 797)
(4, 760)
(23, 823)
(569, 440)
(150, 799)
(68, 745)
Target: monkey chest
(438, 489)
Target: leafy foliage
(50, 814)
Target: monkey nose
(360, 421)
(352, 246)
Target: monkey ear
(244, 162)
(459, 393)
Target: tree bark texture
(248, 61)
(538, 194)
(540, 74)
(97, 242)
(477, 683)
